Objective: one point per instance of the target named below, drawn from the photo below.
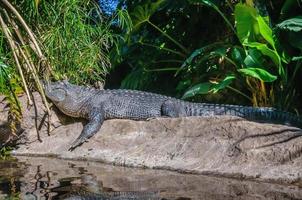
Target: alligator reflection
(112, 196)
(44, 178)
(41, 184)
(84, 188)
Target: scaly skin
(84, 195)
(99, 105)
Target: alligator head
(56, 91)
(67, 97)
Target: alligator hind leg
(173, 109)
(96, 119)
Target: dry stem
(13, 47)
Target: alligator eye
(58, 95)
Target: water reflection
(41, 178)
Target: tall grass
(75, 37)
(60, 39)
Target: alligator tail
(261, 114)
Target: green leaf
(189, 60)
(201, 88)
(254, 58)
(223, 84)
(250, 25)
(265, 50)
(297, 58)
(207, 87)
(294, 28)
(273, 54)
(292, 24)
(142, 13)
(238, 55)
(124, 21)
(222, 53)
(265, 31)
(246, 23)
(258, 73)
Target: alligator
(136, 195)
(97, 105)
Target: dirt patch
(225, 146)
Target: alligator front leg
(96, 119)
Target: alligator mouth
(46, 86)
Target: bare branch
(29, 63)
(13, 47)
(25, 56)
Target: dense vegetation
(224, 51)
(239, 52)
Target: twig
(13, 47)
(28, 61)
(37, 48)
(26, 56)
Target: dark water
(44, 178)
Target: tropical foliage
(225, 51)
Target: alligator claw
(76, 143)
(71, 148)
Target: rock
(223, 146)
